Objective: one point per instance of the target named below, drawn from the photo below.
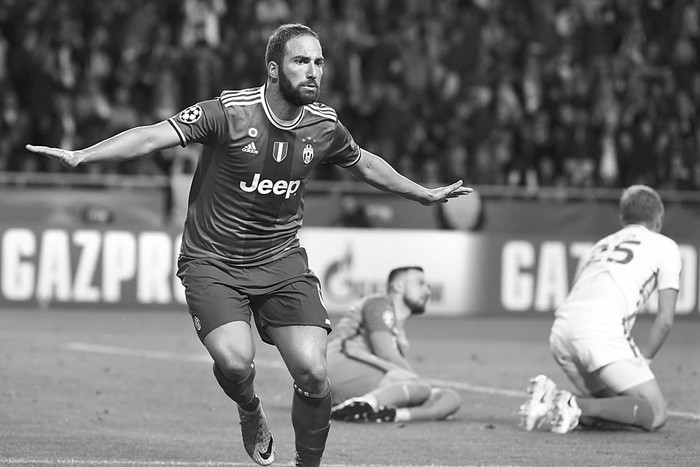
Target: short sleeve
(378, 315)
(343, 150)
(204, 122)
(670, 269)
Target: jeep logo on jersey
(265, 186)
(308, 153)
(279, 151)
(190, 114)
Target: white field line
(480, 389)
(682, 414)
(160, 355)
(152, 463)
(155, 354)
(113, 462)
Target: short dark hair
(398, 272)
(279, 38)
(640, 204)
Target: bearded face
(305, 92)
(300, 70)
(416, 300)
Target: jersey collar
(279, 123)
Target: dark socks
(310, 418)
(241, 392)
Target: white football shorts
(583, 358)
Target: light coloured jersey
(372, 314)
(619, 274)
(246, 201)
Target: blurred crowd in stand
(571, 93)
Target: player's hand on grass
(65, 157)
(444, 193)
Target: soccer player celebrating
(372, 379)
(590, 338)
(240, 253)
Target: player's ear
(659, 223)
(273, 70)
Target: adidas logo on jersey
(250, 147)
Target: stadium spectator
(14, 128)
(591, 335)
(372, 379)
(202, 23)
(240, 253)
(531, 57)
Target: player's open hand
(444, 193)
(65, 157)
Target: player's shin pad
(242, 392)
(310, 419)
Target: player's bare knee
(445, 402)
(452, 395)
(235, 367)
(449, 397)
(422, 384)
(312, 378)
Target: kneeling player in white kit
(591, 339)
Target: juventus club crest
(279, 150)
(190, 114)
(308, 153)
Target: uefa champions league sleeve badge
(190, 114)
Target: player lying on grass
(371, 379)
(590, 338)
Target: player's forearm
(657, 336)
(132, 143)
(663, 322)
(376, 172)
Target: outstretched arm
(662, 325)
(375, 171)
(135, 142)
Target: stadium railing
(112, 181)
